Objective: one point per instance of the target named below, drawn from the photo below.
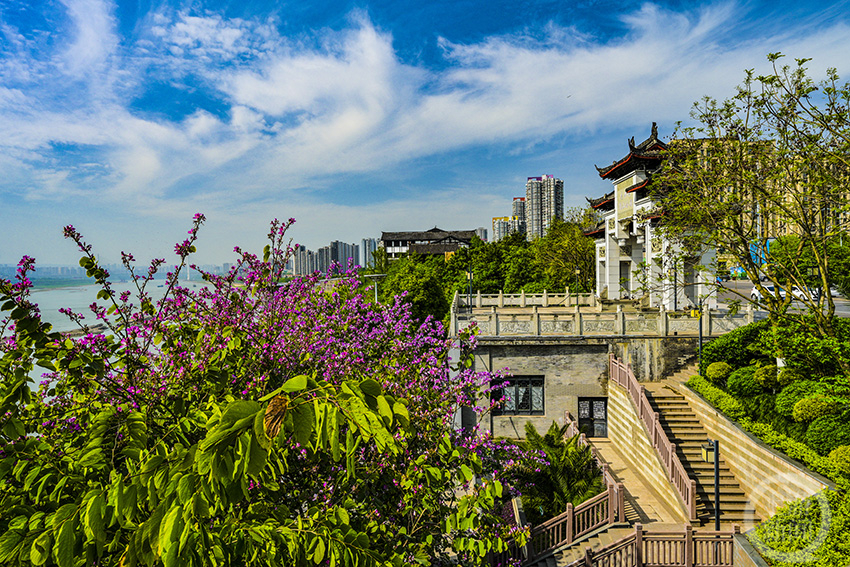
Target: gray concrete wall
(768, 477)
(654, 358)
(744, 554)
(626, 431)
(569, 371)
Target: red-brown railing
(665, 549)
(575, 522)
(622, 374)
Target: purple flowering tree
(259, 420)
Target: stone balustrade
(567, 314)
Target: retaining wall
(768, 477)
(626, 431)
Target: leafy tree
(250, 422)
(770, 161)
(416, 281)
(791, 254)
(571, 475)
(565, 255)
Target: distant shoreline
(42, 285)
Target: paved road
(842, 306)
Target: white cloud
(298, 110)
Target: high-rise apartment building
(306, 261)
(481, 233)
(367, 247)
(501, 228)
(544, 201)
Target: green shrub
(840, 457)
(828, 432)
(742, 382)
(766, 376)
(811, 408)
(732, 347)
(793, 393)
(796, 450)
(799, 534)
(718, 372)
(716, 397)
(788, 375)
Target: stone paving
(649, 509)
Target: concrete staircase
(567, 555)
(684, 429)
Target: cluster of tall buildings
(306, 261)
(533, 214)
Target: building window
(520, 395)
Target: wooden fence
(575, 522)
(686, 487)
(665, 549)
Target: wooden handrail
(668, 549)
(623, 375)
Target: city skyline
(124, 119)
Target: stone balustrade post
(535, 321)
(545, 298)
(689, 545)
(577, 323)
(478, 299)
(570, 518)
(501, 299)
(662, 321)
(620, 325)
(522, 298)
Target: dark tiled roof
(595, 231)
(601, 201)
(434, 249)
(648, 154)
(433, 235)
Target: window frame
(515, 383)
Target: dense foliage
(811, 532)
(249, 422)
(769, 161)
(561, 259)
(734, 347)
(569, 477)
(718, 372)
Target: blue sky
(124, 119)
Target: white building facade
(633, 261)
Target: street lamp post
(375, 278)
(711, 452)
(699, 324)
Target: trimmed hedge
(828, 432)
(788, 375)
(813, 407)
(730, 407)
(796, 450)
(766, 376)
(716, 397)
(732, 347)
(742, 383)
(718, 372)
(798, 534)
(841, 457)
(793, 393)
